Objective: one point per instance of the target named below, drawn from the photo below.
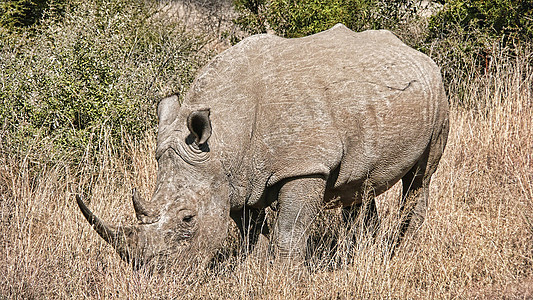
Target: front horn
(123, 239)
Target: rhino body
(331, 119)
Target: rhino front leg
(251, 223)
(298, 204)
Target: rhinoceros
(328, 120)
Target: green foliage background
(511, 19)
(19, 13)
(98, 69)
(508, 19)
(291, 18)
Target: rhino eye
(188, 218)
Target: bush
(507, 19)
(102, 68)
(466, 37)
(290, 18)
(15, 14)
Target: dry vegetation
(477, 240)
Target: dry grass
(476, 241)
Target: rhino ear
(200, 125)
(167, 110)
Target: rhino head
(187, 217)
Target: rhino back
(360, 105)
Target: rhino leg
(251, 223)
(298, 205)
(415, 192)
(415, 184)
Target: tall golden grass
(476, 241)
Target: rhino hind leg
(414, 202)
(299, 202)
(415, 184)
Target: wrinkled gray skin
(328, 120)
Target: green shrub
(291, 18)
(102, 68)
(16, 14)
(510, 19)
(466, 37)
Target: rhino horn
(144, 213)
(123, 239)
